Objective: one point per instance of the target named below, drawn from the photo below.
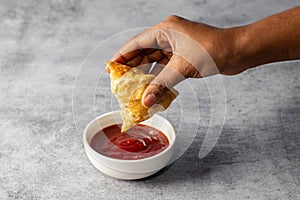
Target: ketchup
(140, 141)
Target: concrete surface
(41, 153)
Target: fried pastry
(128, 85)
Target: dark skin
(233, 50)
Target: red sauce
(138, 142)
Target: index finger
(134, 48)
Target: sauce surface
(140, 141)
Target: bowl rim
(95, 153)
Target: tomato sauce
(140, 141)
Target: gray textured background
(41, 154)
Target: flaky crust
(128, 85)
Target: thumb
(173, 73)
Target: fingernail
(149, 100)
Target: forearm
(275, 38)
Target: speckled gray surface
(41, 154)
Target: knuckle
(170, 21)
(159, 87)
(172, 18)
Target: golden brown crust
(117, 70)
(129, 91)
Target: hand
(185, 49)
(181, 49)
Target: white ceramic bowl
(128, 169)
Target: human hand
(181, 49)
(186, 49)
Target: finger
(144, 40)
(167, 53)
(152, 38)
(155, 56)
(141, 63)
(145, 65)
(135, 61)
(173, 73)
(144, 60)
(157, 68)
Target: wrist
(236, 55)
(228, 50)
